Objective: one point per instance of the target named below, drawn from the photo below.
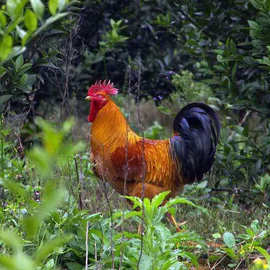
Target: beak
(88, 98)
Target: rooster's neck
(110, 127)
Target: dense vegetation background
(161, 55)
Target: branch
(240, 123)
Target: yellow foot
(174, 223)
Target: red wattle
(93, 112)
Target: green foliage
(113, 37)
(156, 131)
(29, 220)
(55, 150)
(21, 23)
(161, 249)
(240, 248)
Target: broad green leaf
(11, 7)
(20, 32)
(180, 200)
(38, 7)
(15, 188)
(46, 249)
(26, 37)
(15, 8)
(94, 217)
(231, 252)
(136, 201)
(41, 160)
(148, 209)
(67, 126)
(31, 225)
(191, 256)
(7, 262)
(11, 239)
(18, 62)
(74, 266)
(50, 21)
(2, 71)
(3, 19)
(202, 185)
(146, 262)
(5, 46)
(61, 4)
(23, 261)
(159, 199)
(229, 239)
(53, 5)
(19, 261)
(53, 196)
(30, 20)
(16, 50)
(264, 253)
(216, 235)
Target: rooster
(141, 167)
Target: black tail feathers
(197, 130)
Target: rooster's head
(99, 94)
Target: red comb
(105, 86)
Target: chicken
(141, 167)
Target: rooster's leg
(174, 223)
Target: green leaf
(2, 71)
(31, 225)
(53, 5)
(46, 249)
(202, 184)
(61, 4)
(49, 21)
(158, 200)
(3, 20)
(216, 235)
(7, 262)
(19, 261)
(5, 46)
(264, 253)
(74, 266)
(53, 196)
(15, 8)
(146, 262)
(11, 7)
(11, 239)
(16, 50)
(136, 201)
(18, 62)
(38, 7)
(229, 239)
(180, 200)
(15, 188)
(30, 20)
(20, 32)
